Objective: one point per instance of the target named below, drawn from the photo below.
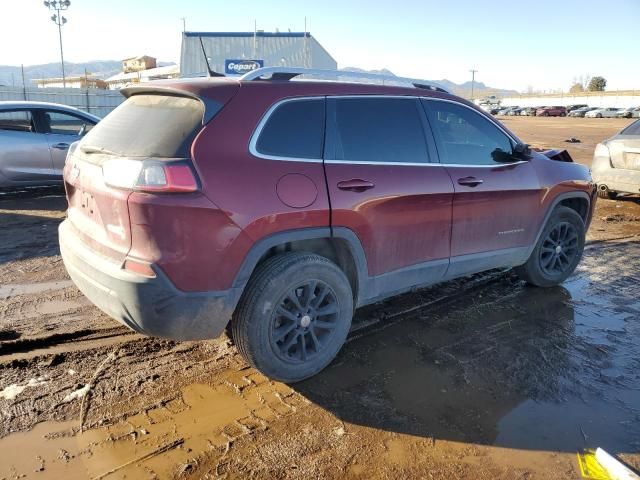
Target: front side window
(465, 137)
(63, 123)
(378, 129)
(16, 121)
(295, 129)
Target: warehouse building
(235, 53)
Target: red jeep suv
(280, 206)
(551, 112)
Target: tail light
(150, 175)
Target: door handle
(470, 181)
(61, 146)
(355, 185)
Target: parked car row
(579, 110)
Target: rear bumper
(153, 306)
(617, 179)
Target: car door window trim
(430, 142)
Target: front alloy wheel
(559, 249)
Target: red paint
(410, 214)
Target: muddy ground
(483, 378)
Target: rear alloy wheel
(558, 250)
(294, 316)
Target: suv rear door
(496, 205)
(384, 186)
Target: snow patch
(81, 392)
(13, 390)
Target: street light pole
(473, 81)
(58, 6)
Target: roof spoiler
(211, 107)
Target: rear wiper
(91, 149)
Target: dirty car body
(281, 206)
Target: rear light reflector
(139, 268)
(150, 175)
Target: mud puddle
(162, 440)
(496, 381)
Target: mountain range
(12, 75)
(460, 89)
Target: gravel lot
(483, 378)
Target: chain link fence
(96, 101)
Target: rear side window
(159, 126)
(63, 123)
(633, 129)
(464, 136)
(295, 129)
(16, 121)
(377, 130)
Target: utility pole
(58, 6)
(184, 24)
(473, 81)
(255, 39)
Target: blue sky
(513, 44)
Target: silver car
(616, 163)
(34, 139)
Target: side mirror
(521, 150)
(83, 130)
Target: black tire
(269, 308)
(598, 115)
(563, 114)
(558, 250)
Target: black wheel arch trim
(263, 245)
(556, 201)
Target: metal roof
(248, 34)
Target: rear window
(294, 130)
(16, 120)
(633, 129)
(149, 126)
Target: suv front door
(385, 186)
(61, 130)
(496, 204)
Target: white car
(616, 163)
(608, 112)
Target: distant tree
(576, 88)
(597, 84)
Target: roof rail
(287, 73)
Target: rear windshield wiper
(91, 149)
